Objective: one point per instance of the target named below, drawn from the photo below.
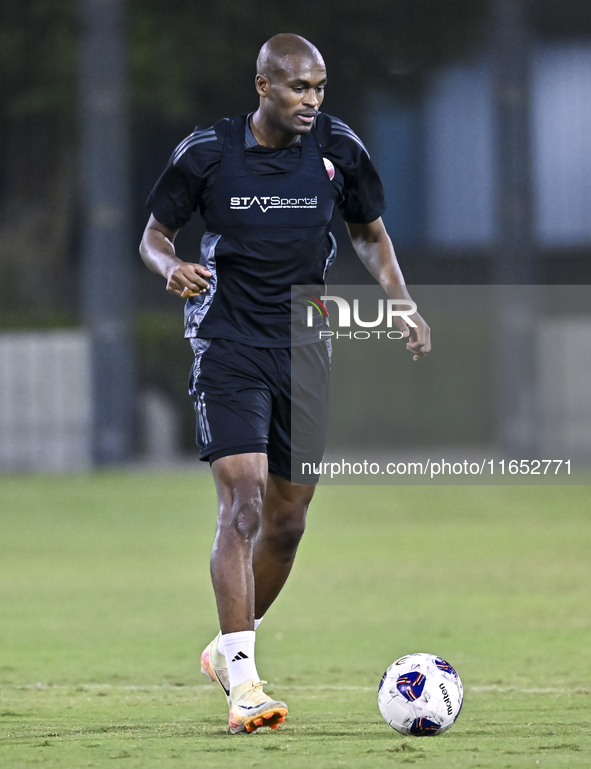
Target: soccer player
(266, 185)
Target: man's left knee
(287, 533)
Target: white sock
(238, 649)
(257, 622)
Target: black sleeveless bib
(244, 204)
(265, 234)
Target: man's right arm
(157, 251)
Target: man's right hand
(157, 250)
(187, 279)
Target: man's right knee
(241, 482)
(242, 516)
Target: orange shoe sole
(271, 718)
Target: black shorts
(260, 399)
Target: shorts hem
(251, 448)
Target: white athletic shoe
(213, 665)
(251, 708)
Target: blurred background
(477, 114)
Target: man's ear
(261, 84)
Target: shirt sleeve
(177, 193)
(361, 199)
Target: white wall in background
(564, 360)
(160, 427)
(45, 401)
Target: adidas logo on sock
(240, 656)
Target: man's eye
(298, 88)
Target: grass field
(106, 604)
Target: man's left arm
(374, 247)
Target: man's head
(290, 82)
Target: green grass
(105, 605)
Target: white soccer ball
(420, 694)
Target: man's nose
(311, 97)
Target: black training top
(267, 213)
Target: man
(265, 185)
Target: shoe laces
(255, 694)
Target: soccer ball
(420, 694)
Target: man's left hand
(419, 337)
